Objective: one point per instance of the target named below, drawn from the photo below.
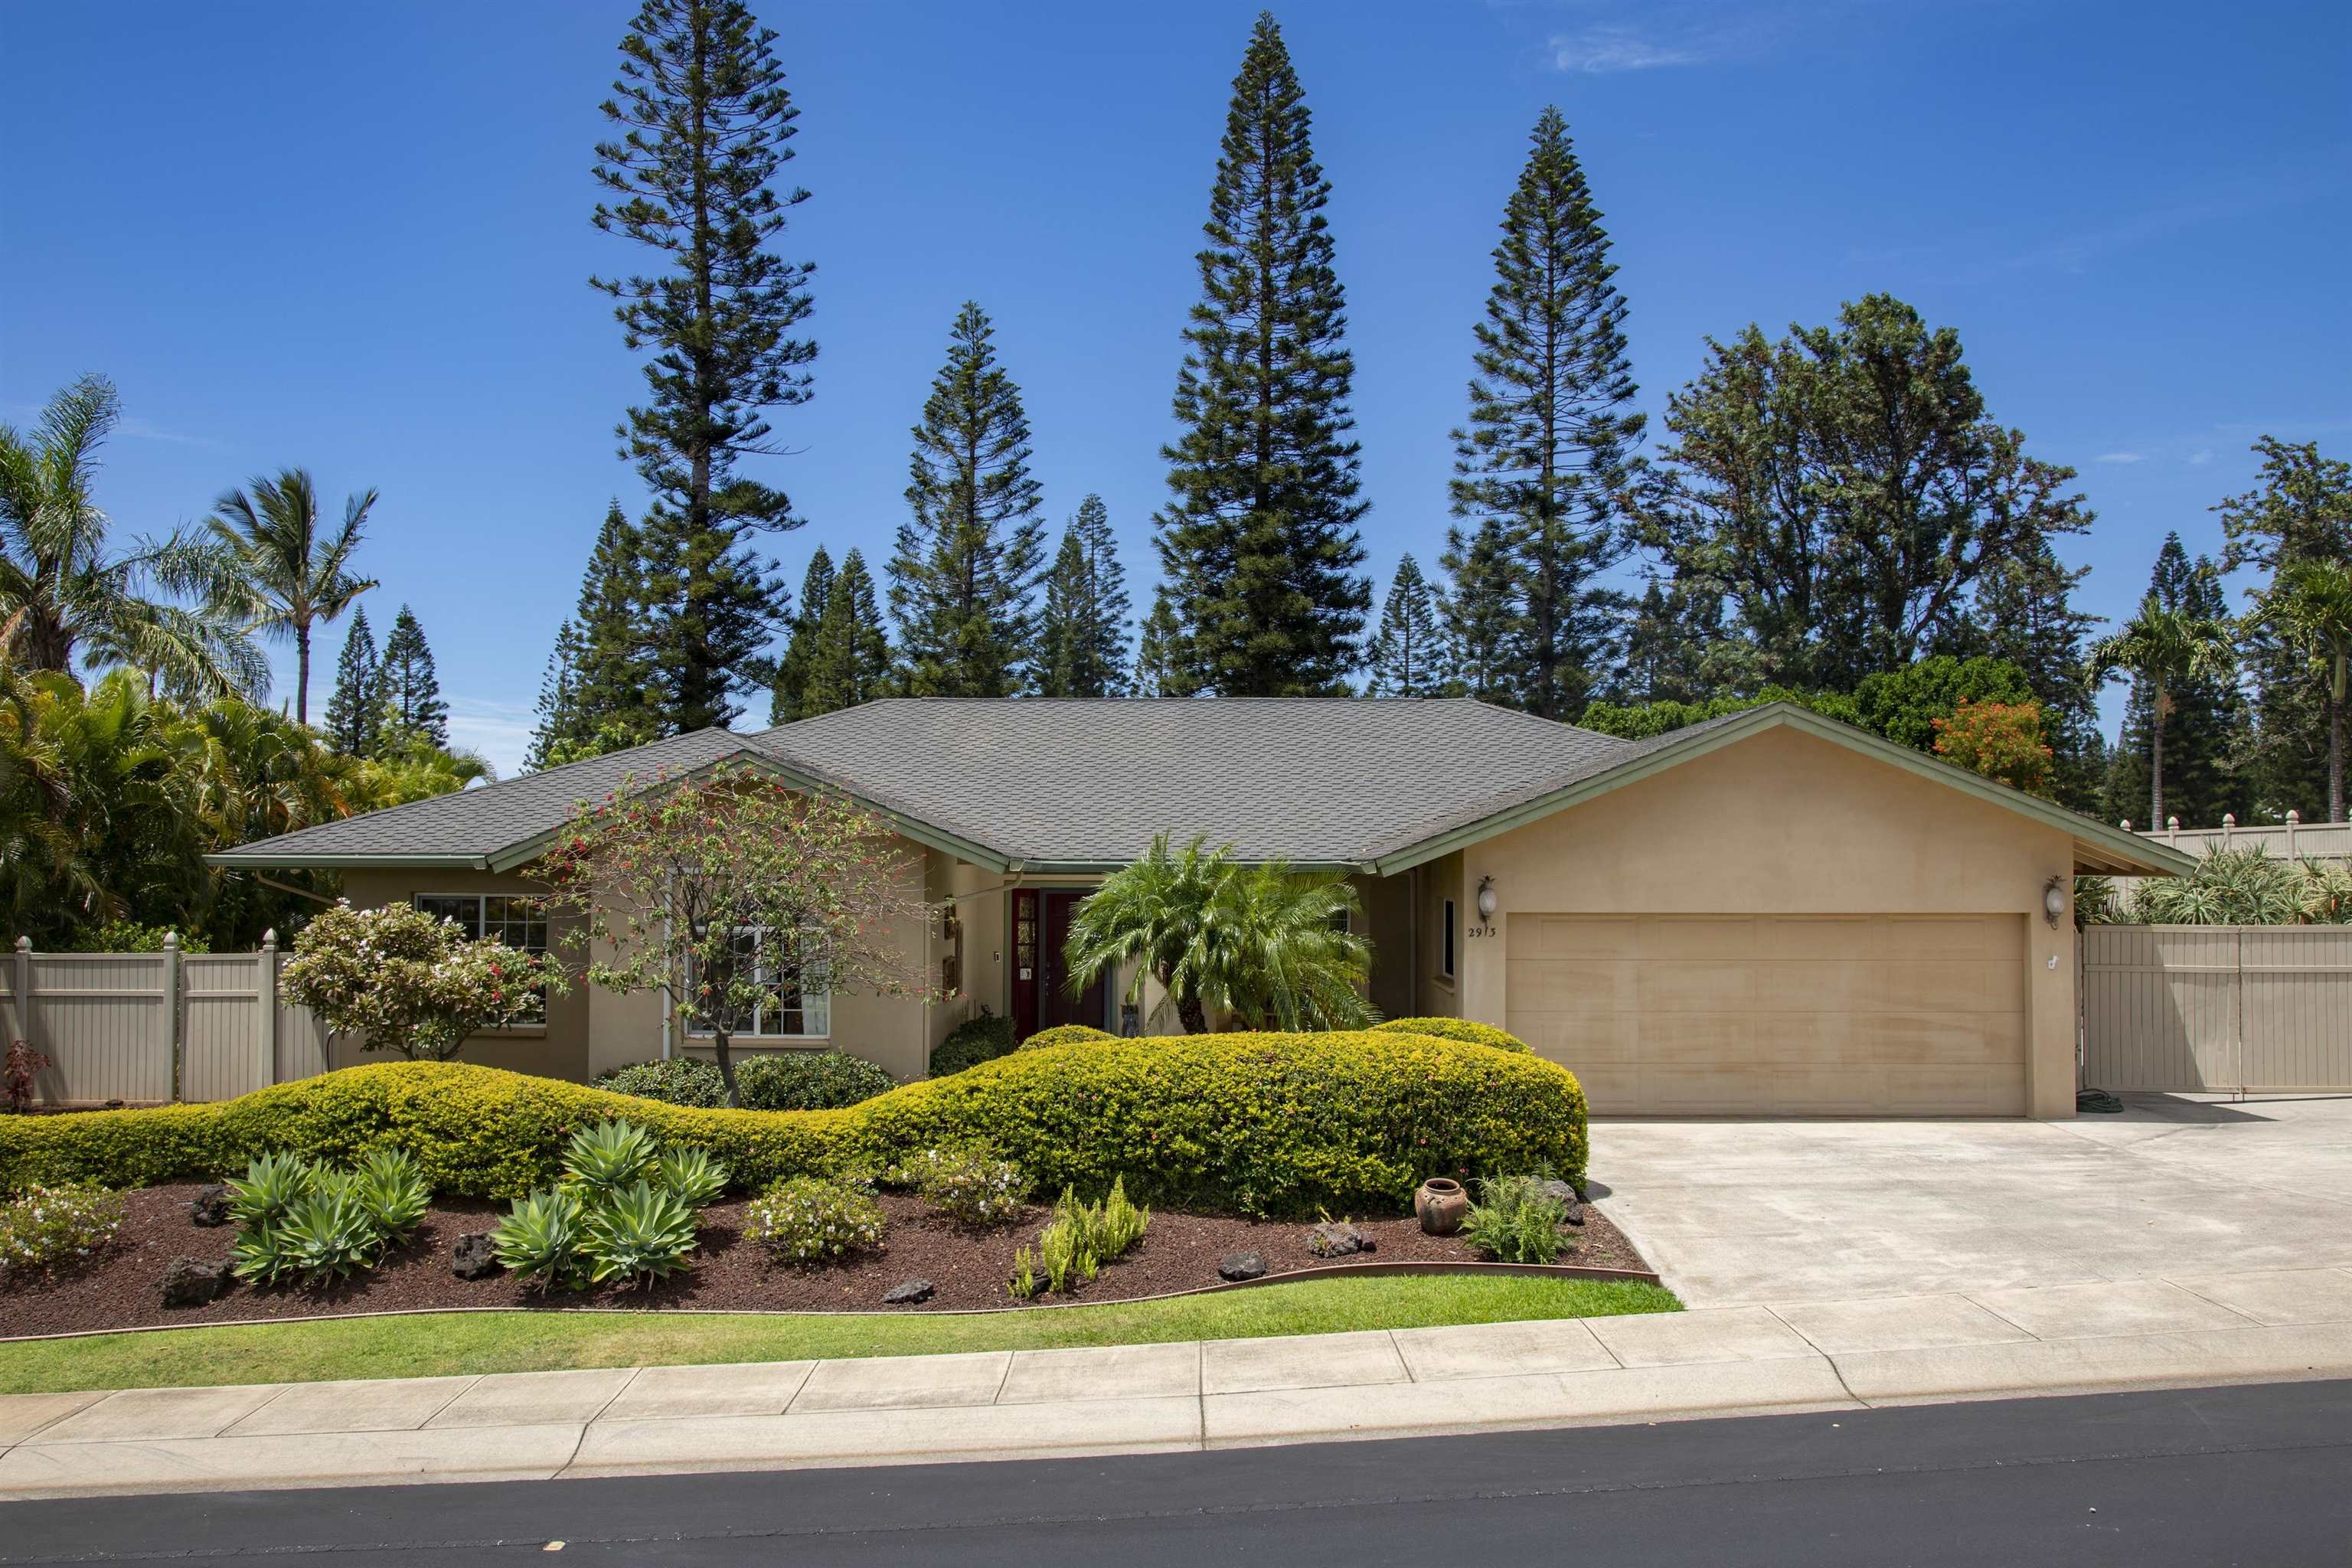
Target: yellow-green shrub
(1064, 1034)
(1259, 1123)
(1467, 1030)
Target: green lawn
(447, 1343)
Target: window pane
(465, 908)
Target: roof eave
(236, 858)
(2097, 847)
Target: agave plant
(608, 1156)
(539, 1239)
(692, 1174)
(391, 1186)
(640, 1233)
(2230, 887)
(273, 1184)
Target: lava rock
(1242, 1265)
(198, 1282)
(1337, 1239)
(908, 1292)
(210, 1206)
(1566, 1195)
(476, 1255)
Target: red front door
(1041, 992)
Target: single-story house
(1770, 913)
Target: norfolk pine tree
(411, 693)
(789, 699)
(1082, 636)
(1548, 447)
(1482, 613)
(1259, 541)
(1159, 667)
(967, 561)
(599, 693)
(706, 122)
(355, 706)
(849, 662)
(1408, 654)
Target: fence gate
(2224, 1008)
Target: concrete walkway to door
(2175, 1188)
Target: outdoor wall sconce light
(1486, 899)
(2053, 901)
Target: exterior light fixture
(1486, 899)
(2053, 901)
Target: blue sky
(356, 239)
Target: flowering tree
(736, 897)
(409, 982)
(2001, 741)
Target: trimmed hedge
(1250, 1123)
(971, 1043)
(682, 1080)
(1454, 1029)
(1064, 1034)
(810, 1081)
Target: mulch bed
(968, 1269)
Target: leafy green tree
(1549, 443)
(66, 597)
(412, 708)
(2302, 510)
(1647, 720)
(733, 897)
(601, 691)
(1847, 492)
(1482, 613)
(291, 576)
(1408, 654)
(850, 662)
(2308, 607)
(1904, 705)
(1161, 666)
(1269, 946)
(1082, 637)
(1678, 649)
(2162, 647)
(2207, 732)
(2001, 741)
(355, 707)
(704, 124)
(966, 569)
(2024, 615)
(789, 697)
(1258, 542)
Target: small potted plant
(1441, 1204)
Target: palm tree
(295, 578)
(2159, 646)
(1259, 942)
(72, 599)
(2311, 606)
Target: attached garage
(1760, 1015)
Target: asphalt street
(2260, 1476)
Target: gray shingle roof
(1072, 781)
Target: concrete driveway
(1760, 1211)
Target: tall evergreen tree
(2024, 614)
(1678, 649)
(1082, 637)
(1408, 654)
(355, 706)
(790, 698)
(1161, 670)
(412, 705)
(600, 689)
(849, 660)
(1548, 448)
(1483, 613)
(706, 123)
(1259, 541)
(2206, 722)
(966, 568)
(2301, 512)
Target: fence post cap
(2292, 814)
(2172, 824)
(2228, 819)
(24, 945)
(171, 941)
(270, 938)
(2127, 824)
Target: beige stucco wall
(1785, 823)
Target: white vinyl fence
(147, 1027)
(2226, 1008)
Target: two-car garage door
(1741, 1015)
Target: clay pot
(1440, 1203)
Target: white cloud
(2120, 457)
(2201, 457)
(500, 731)
(1607, 48)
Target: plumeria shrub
(738, 897)
(405, 982)
(43, 1229)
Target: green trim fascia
(234, 859)
(2129, 847)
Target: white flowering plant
(809, 1220)
(406, 981)
(43, 1229)
(968, 1185)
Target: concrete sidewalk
(1817, 1355)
